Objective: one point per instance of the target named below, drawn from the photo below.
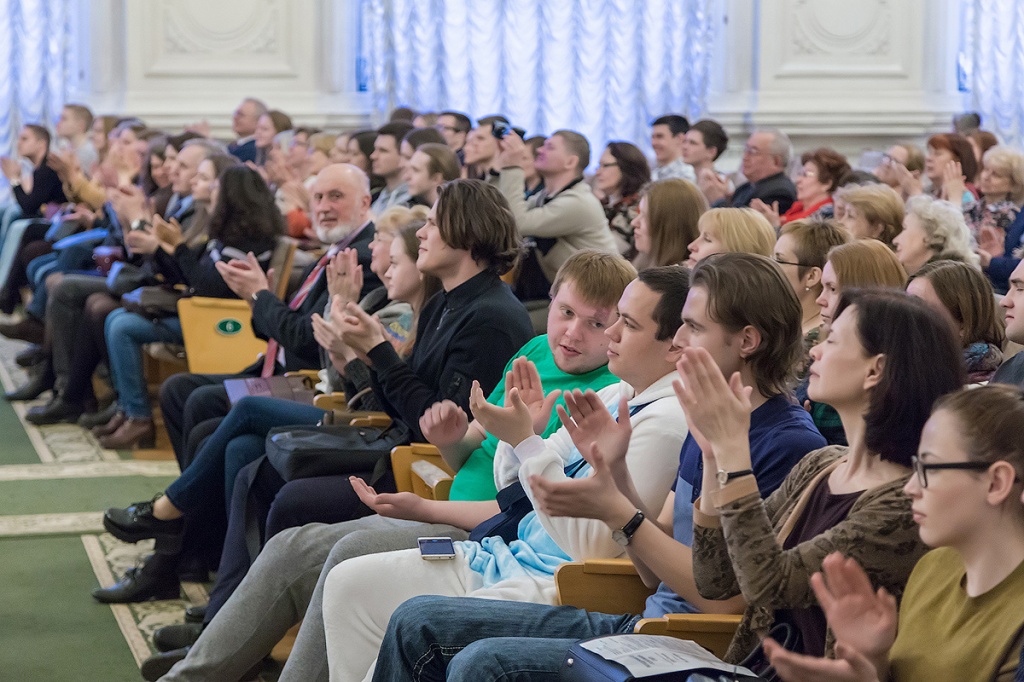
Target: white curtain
(605, 68)
(991, 65)
(37, 63)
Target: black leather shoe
(171, 637)
(32, 355)
(28, 329)
(137, 522)
(158, 665)
(91, 419)
(55, 412)
(153, 579)
(195, 614)
(40, 382)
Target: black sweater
(46, 189)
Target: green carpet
(63, 496)
(52, 630)
(16, 447)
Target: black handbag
(125, 277)
(152, 302)
(308, 451)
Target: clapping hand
(169, 233)
(771, 213)
(593, 429)
(713, 185)
(953, 185)
(344, 277)
(910, 184)
(444, 424)
(512, 423)
(11, 168)
(592, 497)
(244, 277)
(525, 377)
(991, 244)
(359, 330)
(847, 666)
(327, 334)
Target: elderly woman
(933, 230)
(872, 211)
(819, 177)
(1001, 185)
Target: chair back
(218, 335)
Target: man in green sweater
(289, 572)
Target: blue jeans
(37, 272)
(209, 479)
(475, 640)
(126, 333)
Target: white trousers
(361, 594)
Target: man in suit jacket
(243, 124)
(341, 208)
(765, 159)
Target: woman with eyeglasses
(819, 177)
(622, 172)
(801, 250)
(887, 359)
(961, 615)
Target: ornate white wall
(172, 62)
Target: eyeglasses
(786, 262)
(921, 469)
(752, 151)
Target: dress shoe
(193, 569)
(137, 522)
(27, 329)
(153, 579)
(55, 412)
(131, 434)
(91, 420)
(111, 425)
(171, 637)
(158, 665)
(39, 382)
(32, 355)
(195, 614)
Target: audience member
(901, 168)
(668, 134)
(951, 167)
(966, 123)
(981, 141)
(387, 165)
(744, 314)
(455, 127)
(819, 177)
(268, 126)
(871, 211)
(402, 115)
(703, 144)
(339, 153)
(414, 139)
(622, 171)
(243, 125)
(532, 180)
(666, 223)
(731, 230)
(933, 230)
(765, 159)
(430, 166)
(1012, 371)
(563, 218)
(425, 119)
(1001, 186)
(958, 618)
(32, 190)
(480, 154)
(73, 132)
(963, 292)
(360, 148)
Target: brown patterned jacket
(741, 550)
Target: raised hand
(713, 185)
(593, 429)
(910, 184)
(526, 378)
(592, 497)
(769, 212)
(407, 506)
(512, 152)
(169, 233)
(444, 424)
(860, 617)
(244, 277)
(326, 334)
(953, 185)
(848, 665)
(345, 277)
(511, 423)
(359, 330)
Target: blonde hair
(674, 208)
(1011, 161)
(322, 142)
(880, 205)
(948, 235)
(741, 230)
(599, 277)
(390, 222)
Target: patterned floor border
(110, 558)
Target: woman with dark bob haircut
(244, 212)
(622, 172)
(887, 359)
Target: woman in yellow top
(961, 617)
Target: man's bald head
(340, 201)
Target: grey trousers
(285, 585)
(63, 315)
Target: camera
(500, 129)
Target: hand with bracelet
(718, 411)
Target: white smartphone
(436, 549)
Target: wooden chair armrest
(429, 481)
(713, 631)
(331, 402)
(403, 457)
(603, 585)
(378, 420)
(305, 374)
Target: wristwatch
(140, 224)
(16, 182)
(625, 534)
(726, 476)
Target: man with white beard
(341, 212)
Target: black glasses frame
(921, 469)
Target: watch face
(620, 537)
(723, 477)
